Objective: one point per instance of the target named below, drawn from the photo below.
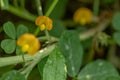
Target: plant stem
(39, 7)
(23, 57)
(23, 14)
(40, 55)
(47, 35)
(38, 3)
(22, 4)
(96, 7)
(15, 3)
(91, 32)
(5, 61)
(40, 13)
(37, 31)
(47, 14)
(44, 38)
(51, 7)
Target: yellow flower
(44, 22)
(28, 43)
(82, 16)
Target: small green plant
(13, 34)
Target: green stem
(37, 31)
(44, 38)
(40, 55)
(39, 7)
(15, 3)
(111, 52)
(22, 4)
(40, 13)
(89, 56)
(91, 32)
(51, 8)
(96, 7)
(47, 14)
(23, 57)
(5, 61)
(47, 35)
(23, 14)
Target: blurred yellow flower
(28, 43)
(82, 16)
(44, 22)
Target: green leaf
(55, 66)
(9, 29)
(116, 21)
(13, 75)
(59, 9)
(116, 37)
(58, 28)
(6, 69)
(8, 45)
(21, 29)
(34, 74)
(97, 70)
(71, 48)
(4, 4)
(41, 65)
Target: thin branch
(99, 28)
(51, 7)
(96, 7)
(39, 7)
(23, 14)
(5, 61)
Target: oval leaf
(8, 45)
(13, 75)
(9, 29)
(21, 29)
(116, 37)
(55, 67)
(41, 66)
(98, 70)
(116, 21)
(71, 48)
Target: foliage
(12, 33)
(72, 49)
(12, 75)
(98, 70)
(64, 39)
